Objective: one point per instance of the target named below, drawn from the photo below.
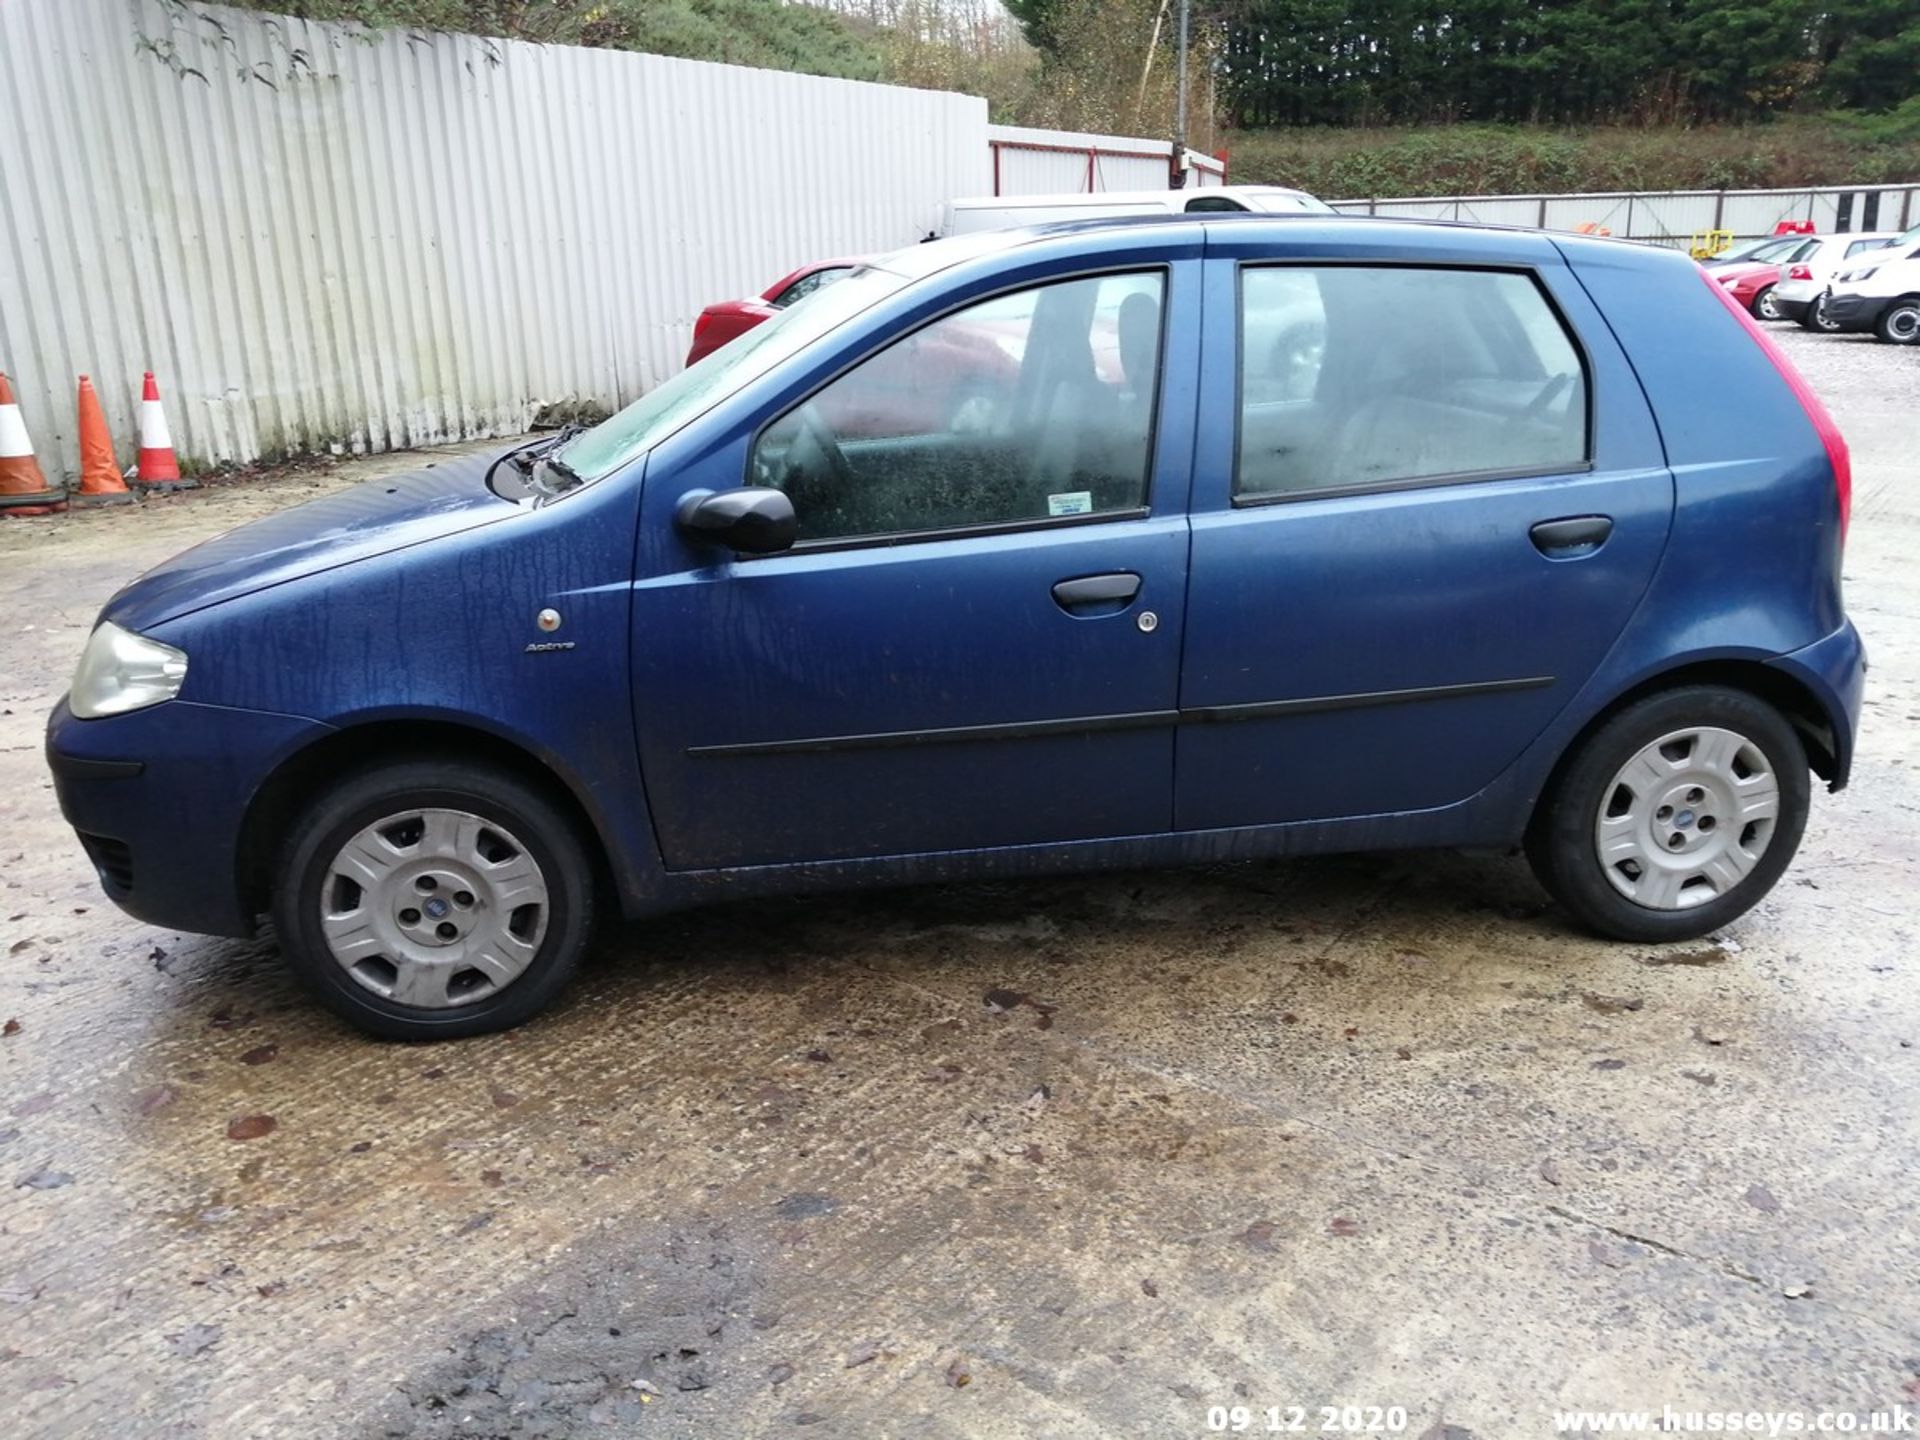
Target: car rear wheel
(1816, 317)
(1674, 817)
(1765, 306)
(434, 899)
(1899, 323)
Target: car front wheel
(1675, 817)
(433, 899)
(1899, 323)
(1765, 306)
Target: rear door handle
(1092, 592)
(1573, 536)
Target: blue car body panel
(1339, 644)
(378, 518)
(732, 725)
(795, 746)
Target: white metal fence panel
(1671, 217)
(1498, 211)
(321, 238)
(1570, 212)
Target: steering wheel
(1548, 394)
(816, 436)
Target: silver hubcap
(1687, 818)
(1904, 324)
(1769, 306)
(434, 908)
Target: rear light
(1800, 272)
(1823, 425)
(702, 325)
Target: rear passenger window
(1355, 376)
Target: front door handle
(1574, 536)
(1110, 593)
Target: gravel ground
(1074, 1159)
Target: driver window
(1032, 406)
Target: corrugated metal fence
(321, 237)
(1670, 217)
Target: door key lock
(1148, 622)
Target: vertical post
(1180, 104)
(1629, 235)
(1719, 208)
(1543, 214)
(994, 146)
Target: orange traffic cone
(100, 482)
(159, 468)
(23, 487)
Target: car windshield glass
(1758, 250)
(698, 388)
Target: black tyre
(427, 900)
(1765, 306)
(1815, 318)
(1675, 816)
(1899, 323)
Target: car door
(975, 641)
(1430, 502)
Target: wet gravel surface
(1071, 1159)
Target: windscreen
(697, 389)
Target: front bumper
(1855, 312)
(159, 798)
(1835, 670)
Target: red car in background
(730, 318)
(1751, 285)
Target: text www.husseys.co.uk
(1668, 1421)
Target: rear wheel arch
(1782, 691)
(304, 775)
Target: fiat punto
(1475, 563)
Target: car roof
(1095, 198)
(931, 256)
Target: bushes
(1836, 149)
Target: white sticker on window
(1073, 502)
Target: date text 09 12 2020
(1302, 1420)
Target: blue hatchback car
(1104, 545)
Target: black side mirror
(754, 519)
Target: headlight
(121, 671)
(1854, 277)
(1728, 279)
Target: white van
(1004, 212)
